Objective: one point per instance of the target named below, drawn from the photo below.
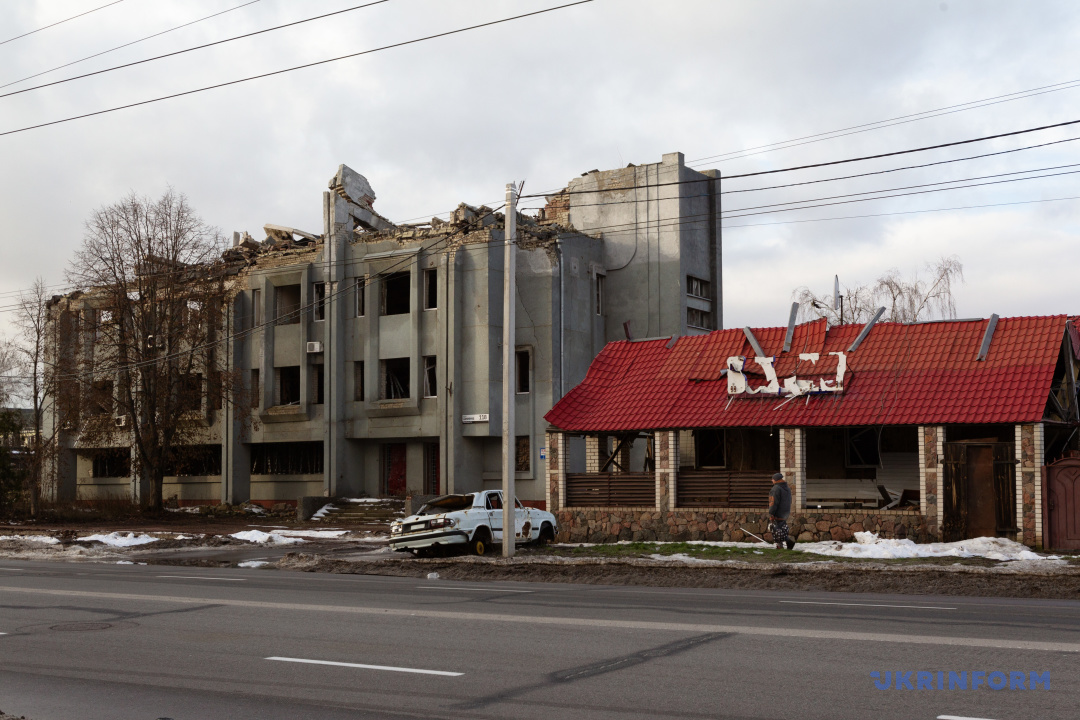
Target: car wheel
(481, 542)
(547, 534)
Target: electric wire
(60, 22)
(190, 49)
(295, 67)
(127, 44)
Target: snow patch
(252, 564)
(43, 539)
(311, 533)
(869, 545)
(323, 511)
(262, 538)
(120, 540)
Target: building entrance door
(1063, 504)
(394, 469)
(979, 498)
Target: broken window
(395, 293)
(494, 501)
(195, 460)
(698, 319)
(214, 389)
(431, 289)
(287, 304)
(101, 397)
(522, 453)
(256, 308)
(287, 458)
(600, 280)
(189, 391)
(696, 287)
(359, 287)
(863, 449)
(709, 446)
(521, 370)
(111, 463)
(319, 310)
(256, 389)
(358, 380)
(287, 387)
(431, 381)
(317, 384)
(395, 372)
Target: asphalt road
(96, 642)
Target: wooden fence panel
(717, 488)
(611, 490)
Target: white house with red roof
(933, 430)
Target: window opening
(358, 380)
(431, 289)
(195, 460)
(522, 459)
(101, 397)
(287, 304)
(698, 318)
(600, 281)
(361, 285)
(709, 446)
(431, 469)
(395, 378)
(320, 301)
(431, 381)
(863, 449)
(288, 385)
(696, 287)
(190, 392)
(256, 308)
(287, 458)
(115, 462)
(521, 371)
(317, 376)
(395, 289)
(256, 389)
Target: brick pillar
(931, 476)
(1029, 450)
(596, 452)
(667, 468)
(555, 488)
(793, 464)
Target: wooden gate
(1063, 504)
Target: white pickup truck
(475, 520)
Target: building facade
(371, 352)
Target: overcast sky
(546, 98)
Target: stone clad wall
(600, 525)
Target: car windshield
(447, 503)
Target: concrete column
(1030, 452)
(931, 476)
(667, 468)
(793, 464)
(555, 476)
(337, 229)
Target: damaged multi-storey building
(371, 352)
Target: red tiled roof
(900, 375)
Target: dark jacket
(780, 501)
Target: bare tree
(152, 304)
(9, 378)
(39, 380)
(904, 300)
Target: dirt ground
(1060, 583)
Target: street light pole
(508, 395)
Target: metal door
(394, 469)
(953, 501)
(1063, 504)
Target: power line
(60, 22)
(976, 104)
(133, 42)
(191, 49)
(296, 67)
(815, 165)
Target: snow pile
(364, 500)
(44, 539)
(323, 512)
(120, 540)
(318, 534)
(869, 545)
(252, 564)
(263, 538)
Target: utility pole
(509, 460)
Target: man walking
(780, 511)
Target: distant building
(372, 350)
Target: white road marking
(202, 577)
(389, 668)
(574, 622)
(469, 589)
(912, 607)
(957, 717)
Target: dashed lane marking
(958, 717)
(201, 577)
(389, 668)
(469, 589)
